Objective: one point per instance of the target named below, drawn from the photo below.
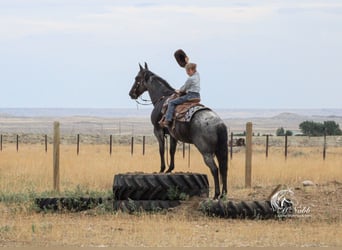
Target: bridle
(142, 101)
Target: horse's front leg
(173, 146)
(159, 133)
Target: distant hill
(137, 121)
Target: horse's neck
(158, 90)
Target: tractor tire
(238, 210)
(133, 206)
(159, 186)
(68, 203)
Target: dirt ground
(316, 222)
(320, 202)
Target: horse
(206, 130)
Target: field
(28, 173)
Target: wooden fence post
(248, 169)
(45, 143)
(324, 145)
(17, 143)
(189, 157)
(231, 145)
(285, 147)
(78, 144)
(1, 142)
(56, 142)
(143, 145)
(166, 151)
(267, 145)
(183, 150)
(132, 145)
(110, 144)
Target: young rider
(190, 90)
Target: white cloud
(129, 19)
(236, 44)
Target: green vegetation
(281, 132)
(311, 128)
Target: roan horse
(206, 130)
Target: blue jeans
(173, 103)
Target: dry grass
(30, 170)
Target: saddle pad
(186, 116)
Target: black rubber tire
(132, 206)
(240, 210)
(74, 204)
(159, 186)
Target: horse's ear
(141, 68)
(146, 67)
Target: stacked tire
(74, 204)
(238, 209)
(135, 192)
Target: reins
(143, 101)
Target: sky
(250, 54)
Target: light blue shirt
(192, 84)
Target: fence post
(183, 150)
(143, 145)
(231, 145)
(45, 143)
(17, 143)
(78, 144)
(1, 142)
(324, 145)
(189, 157)
(285, 146)
(56, 142)
(110, 144)
(248, 169)
(132, 143)
(166, 145)
(267, 145)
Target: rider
(190, 90)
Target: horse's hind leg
(173, 146)
(209, 160)
(159, 133)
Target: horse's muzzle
(133, 95)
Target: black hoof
(223, 196)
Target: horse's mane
(161, 80)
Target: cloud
(126, 19)
(140, 17)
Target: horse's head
(139, 85)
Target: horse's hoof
(223, 196)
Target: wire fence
(235, 143)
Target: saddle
(185, 111)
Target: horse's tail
(222, 153)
